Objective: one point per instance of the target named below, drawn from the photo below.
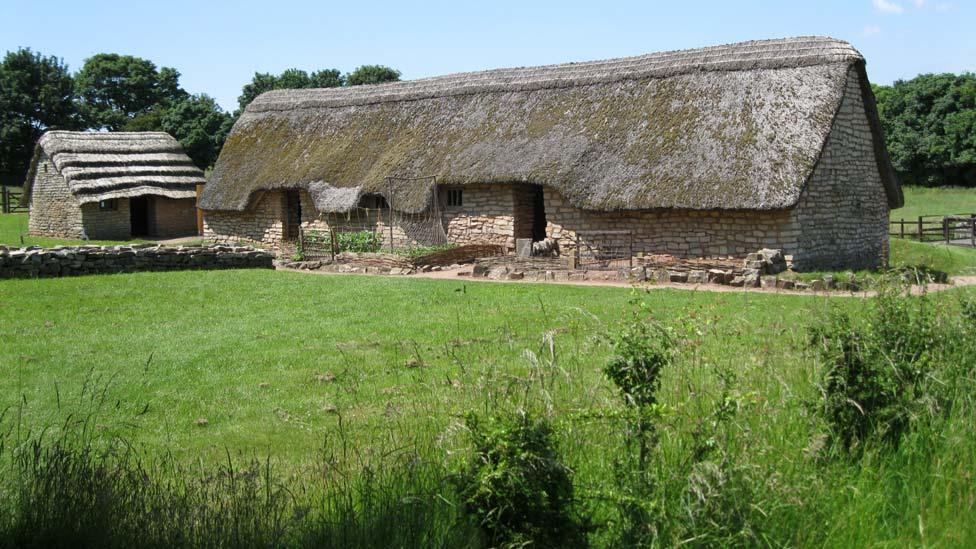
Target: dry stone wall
(37, 262)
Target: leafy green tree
(289, 79)
(200, 125)
(36, 94)
(372, 74)
(113, 89)
(930, 128)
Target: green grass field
(935, 201)
(13, 232)
(291, 366)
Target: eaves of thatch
(101, 166)
(740, 126)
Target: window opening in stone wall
(109, 205)
(455, 198)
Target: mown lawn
(254, 352)
(935, 201)
(305, 370)
(13, 232)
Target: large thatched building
(705, 152)
(111, 186)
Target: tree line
(929, 121)
(115, 92)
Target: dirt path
(452, 274)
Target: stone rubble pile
(35, 262)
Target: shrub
(640, 353)
(358, 242)
(876, 365)
(515, 487)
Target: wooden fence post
(902, 223)
(919, 228)
(945, 229)
(4, 200)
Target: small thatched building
(111, 186)
(705, 152)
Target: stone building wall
(486, 216)
(683, 233)
(53, 209)
(173, 217)
(261, 224)
(841, 220)
(107, 224)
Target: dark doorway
(538, 214)
(293, 214)
(139, 215)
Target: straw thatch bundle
(101, 166)
(729, 127)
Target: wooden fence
(10, 200)
(951, 229)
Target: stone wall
(262, 224)
(53, 210)
(173, 217)
(486, 216)
(841, 220)
(107, 224)
(37, 262)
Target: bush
(876, 366)
(515, 487)
(358, 242)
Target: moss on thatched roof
(100, 166)
(729, 127)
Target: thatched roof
(100, 166)
(728, 127)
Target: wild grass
(311, 387)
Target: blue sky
(217, 46)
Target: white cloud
(888, 6)
(871, 30)
(919, 3)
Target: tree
(113, 89)
(372, 74)
(36, 94)
(201, 127)
(289, 79)
(930, 128)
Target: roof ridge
(755, 54)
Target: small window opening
(109, 205)
(455, 197)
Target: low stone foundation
(35, 262)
